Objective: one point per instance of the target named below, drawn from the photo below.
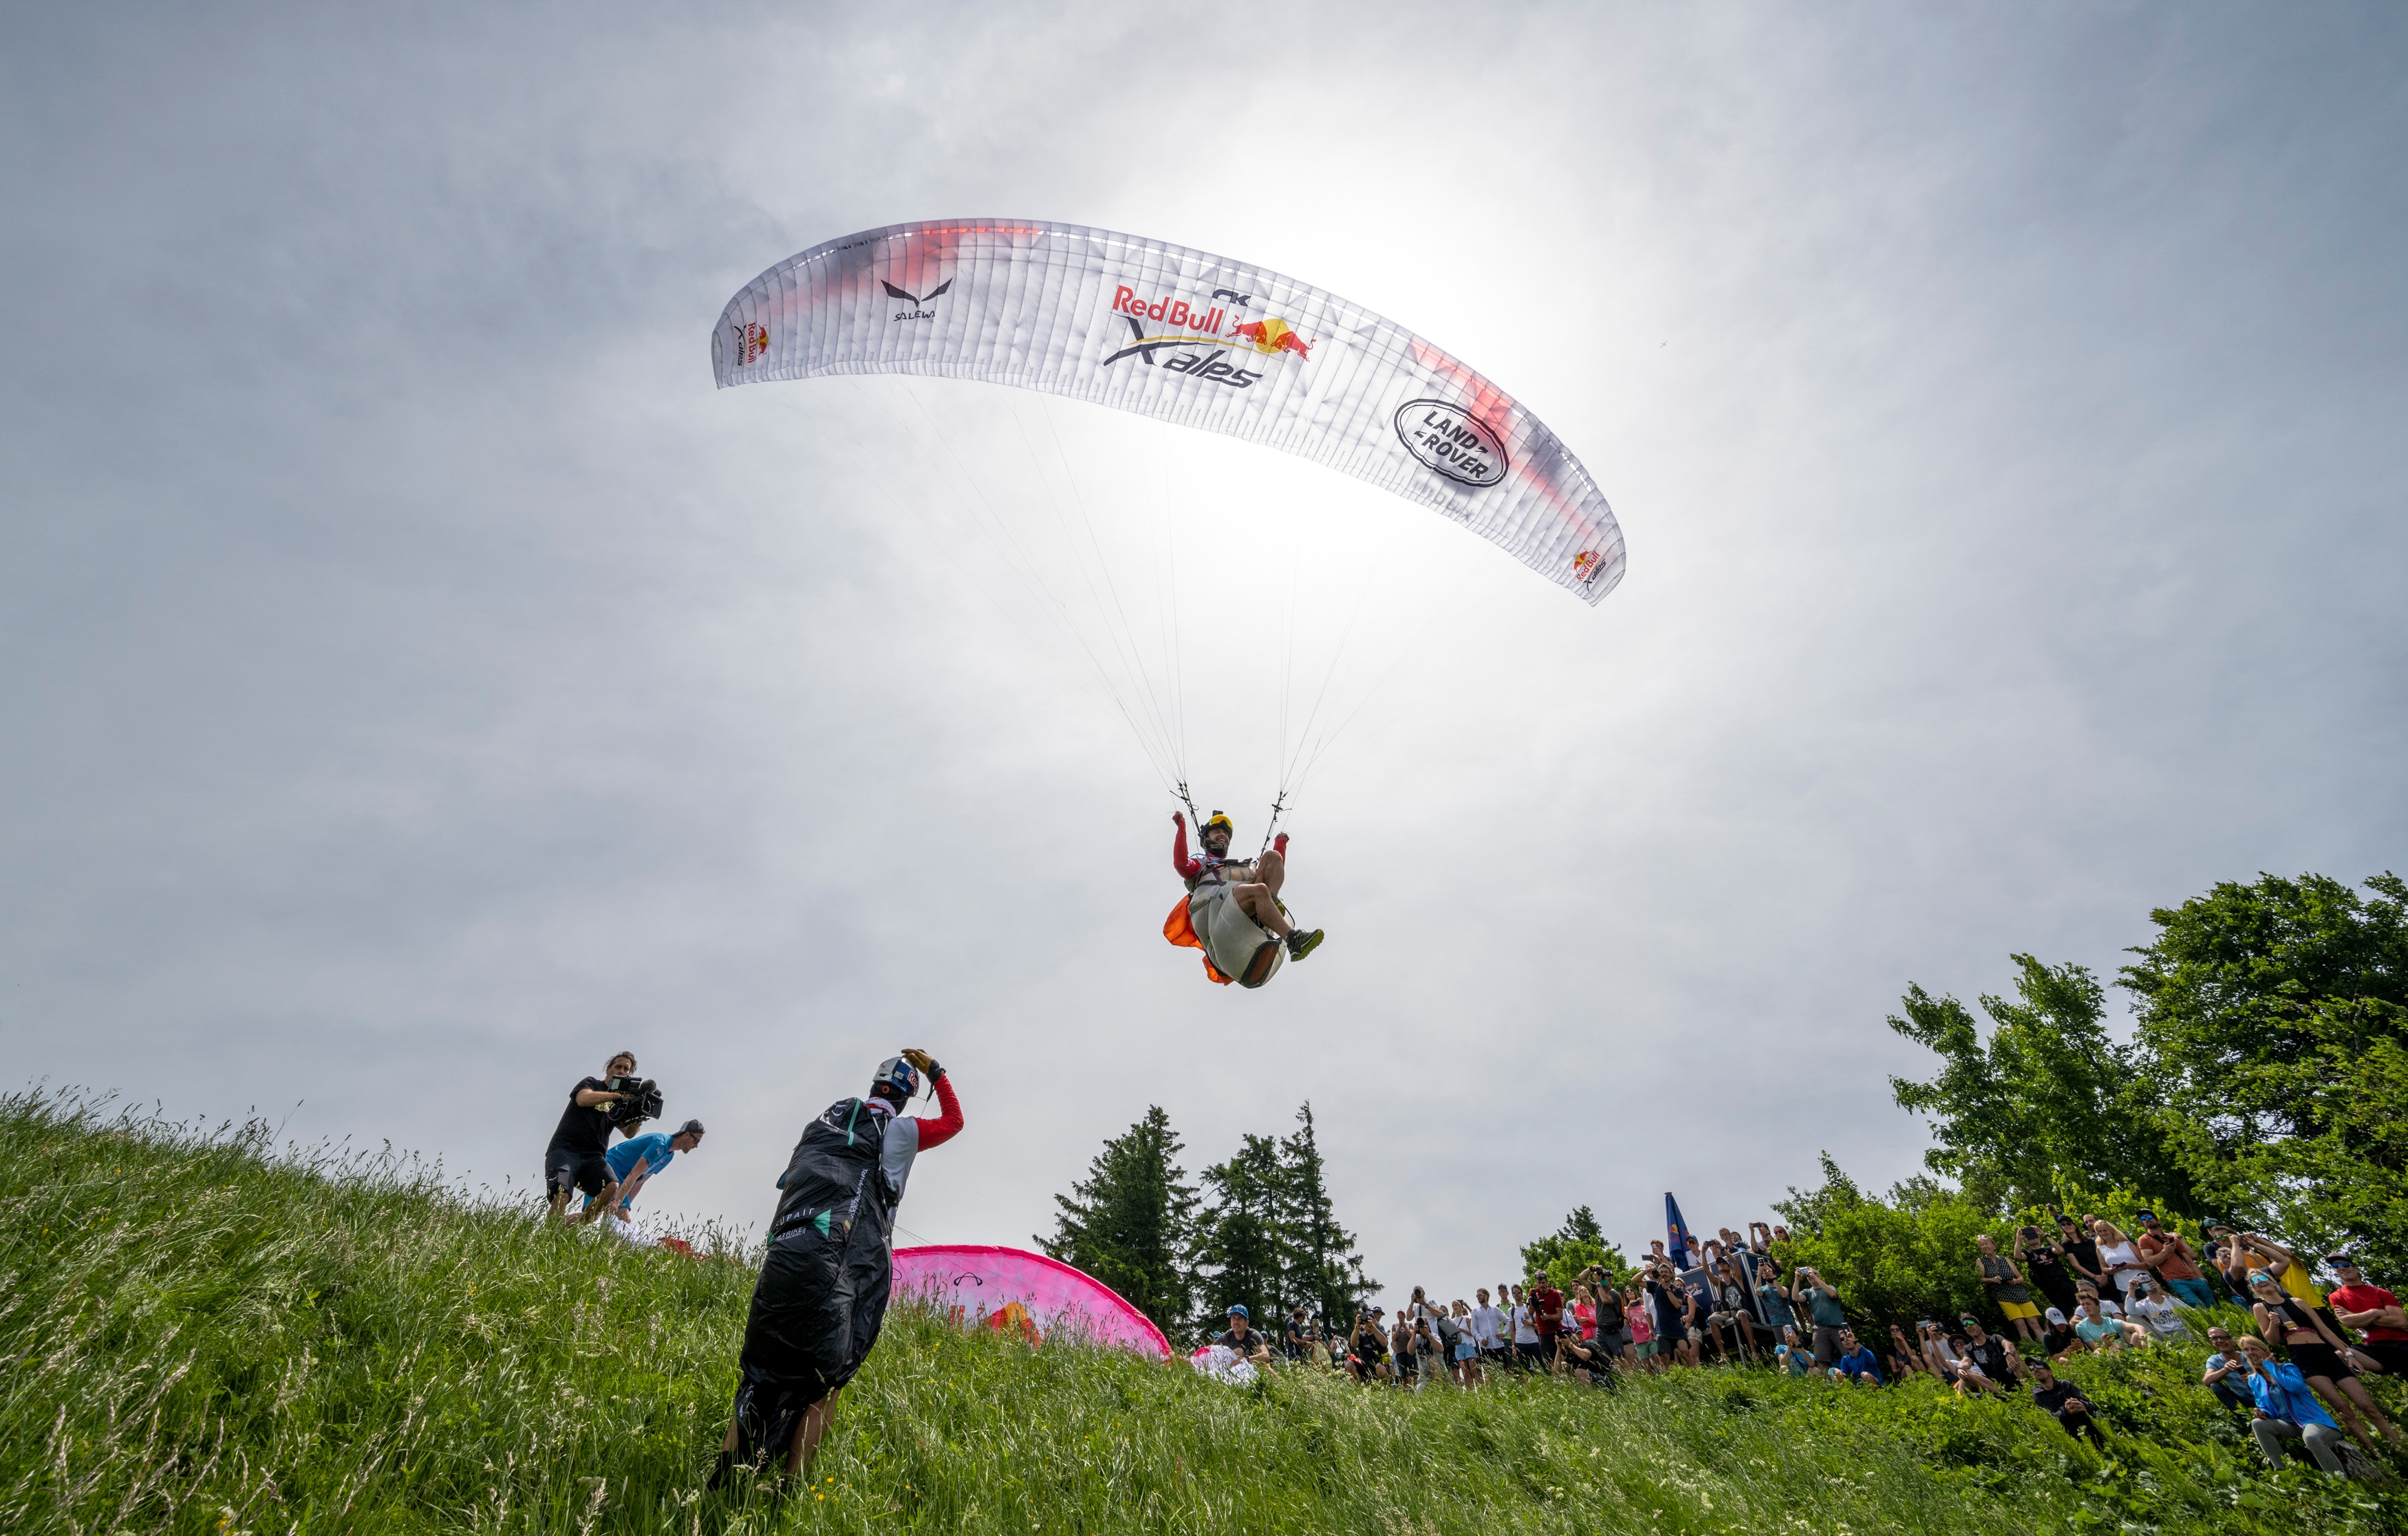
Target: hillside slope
(200, 1337)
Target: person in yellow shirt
(2285, 1265)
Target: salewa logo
(919, 302)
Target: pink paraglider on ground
(1023, 1293)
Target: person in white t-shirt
(1487, 1327)
(2146, 1306)
(1525, 1331)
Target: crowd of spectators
(2085, 1288)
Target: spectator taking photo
(2168, 1256)
(2228, 1372)
(1822, 1304)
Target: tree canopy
(1129, 1222)
(2046, 1106)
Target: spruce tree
(1321, 1253)
(1129, 1223)
(1243, 1241)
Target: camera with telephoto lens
(639, 1099)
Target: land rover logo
(1439, 434)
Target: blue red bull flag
(1677, 1236)
(1184, 337)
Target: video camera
(640, 1100)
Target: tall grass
(201, 1335)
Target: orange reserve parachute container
(1188, 338)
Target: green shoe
(1300, 944)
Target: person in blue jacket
(2288, 1409)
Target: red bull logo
(1586, 563)
(1272, 336)
(752, 341)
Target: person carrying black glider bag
(822, 1296)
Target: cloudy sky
(418, 681)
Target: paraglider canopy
(1022, 1293)
(1182, 336)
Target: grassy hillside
(195, 1337)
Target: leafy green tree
(1897, 1260)
(2046, 1105)
(1129, 1222)
(2340, 1179)
(1323, 1271)
(2273, 1014)
(1573, 1247)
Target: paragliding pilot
(822, 1296)
(1232, 910)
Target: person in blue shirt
(2288, 1409)
(640, 1158)
(1858, 1364)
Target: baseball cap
(2056, 1317)
(692, 1127)
(1237, 1309)
(2341, 1258)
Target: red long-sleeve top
(1191, 868)
(937, 1131)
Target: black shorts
(565, 1168)
(2321, 1359)
(2390, 1354)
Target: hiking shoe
(1300, 943)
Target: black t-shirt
(1991, 1355)
(1368, 1347)
(1255, 1339)
(1672, 1311)
(2085, 1252)
(2057, 1340)
(2041, 1264)
(2054, 1398)
(1609, 1312)
(583, 1130)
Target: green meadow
(200, 1334)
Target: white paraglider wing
(1188, 338)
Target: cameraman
(577, 1157)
